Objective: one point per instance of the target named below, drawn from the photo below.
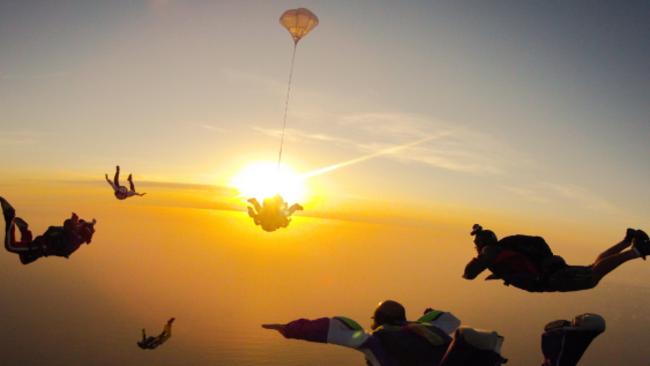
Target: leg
(626, 242)
(605, 265)
(22, 246)
(116, 179)
(131, 185)
(251, 213)
(8, 212)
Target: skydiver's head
(482, 237)
(388, 312)
(86, 230)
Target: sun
(266, 179)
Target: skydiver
(153, 342)
(121, 192)
(60, 241)
(395, 341)
(273, 214)
(528, 263)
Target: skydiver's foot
(641, 243)
(130, 178)
(298, 207)
(8, 211)
(629, 235)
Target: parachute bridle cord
(286, 103)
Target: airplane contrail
(388, 151)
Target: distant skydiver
(60, 241)
(273, 214)
(121, 192)
(153, 342)
(394, 341)
(564, 342)
(528, 263)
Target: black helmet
(389, 312)
(483, 237)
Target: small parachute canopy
(299, 22)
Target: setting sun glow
(265, 179)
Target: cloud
(210, 127)
(581, 195)
(292, 134)
(452, 147)
(528, 194)
(546, 192)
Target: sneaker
(641, 243)
(629, 235)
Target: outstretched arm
(295, 207)
(339, 330)
(480, 263)
(308, 330)
(474, 268)
(168, 326)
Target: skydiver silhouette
(152, 342)
(273, 214)
(528, 263)
(395, 341)
(59, 241)
(121, 192)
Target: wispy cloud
(292, 134)
(550, 192)
(528, 194)
(581, 195)
(452, 147)
(210, 127)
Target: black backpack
(533, 247)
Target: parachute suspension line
(286, 103)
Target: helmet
(483, 237)
(389, 312)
